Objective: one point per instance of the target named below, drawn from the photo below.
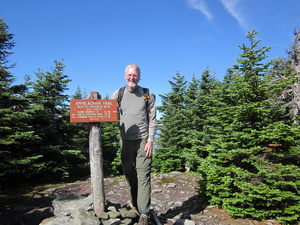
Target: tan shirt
(133, 115)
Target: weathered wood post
(96, 163)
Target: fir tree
(168, 154)
(191, 132)
(248, 171)
(17, 136)
(50, 119)
(78, 138)
(199, 100)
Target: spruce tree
(199, 101)
(50, 120)
(77, 141)
(248, 171)
(191, 132)
(78, 132)
(17, 136)
(171, 126)
(50, 104)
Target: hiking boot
(143, 220)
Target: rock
(176, 173)
(114, 214)
(66, 205)
(103, 216)
(155, 201)
(198, 217)
(123, 184)
(125, 213)
(52, 190)
(171, 185)
(73, 210)
(178, 203)
(167, 196)
(184, 222)
(58, 221)
(156, 191)
(111, 222)
(126, 221)
(110, 193)
(111, 208)
(82, 217)
(47, 221)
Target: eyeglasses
(132, 75)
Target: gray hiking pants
(136, 168)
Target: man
(137, 128)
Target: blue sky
(98, 38)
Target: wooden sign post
(94, 110)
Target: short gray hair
(133, 66)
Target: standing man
(137, 127)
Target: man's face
(132, 78)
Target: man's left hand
(148, 149)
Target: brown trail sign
(93, 111)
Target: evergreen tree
(78, 94)
(248, 171)
(78, 139)
(78, 132)
(111, 148)
(199, 98)
(16, 134)
(60, 156)
(168, 154)
(50, 104)
(181, 143)
(191, 132)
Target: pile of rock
(77, 210)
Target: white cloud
(232, 7)
(200, 5)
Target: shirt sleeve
(152, 117)
(115, 95)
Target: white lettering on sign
(87, 110)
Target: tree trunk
(295, 53)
